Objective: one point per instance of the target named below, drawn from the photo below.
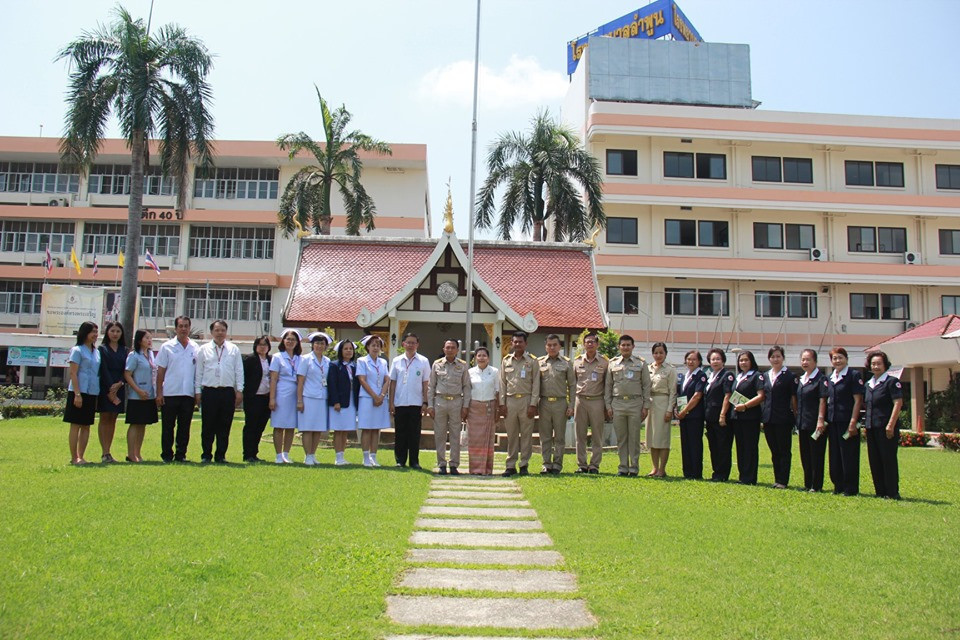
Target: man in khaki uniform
(627, 393)
(519, 397)
(591, 371)
(558, 387)
(448, 399)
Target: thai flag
(48, 263)
(96, 264)
(151, 262)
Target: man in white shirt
(409, 375)
(176, 366)
(219, 391)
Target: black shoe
(623, 474)
(400, 465)
(454, 471)
(416, 466)
(180, 459)
(442, 471)
(555, 472)
(595, 471)
(220, 460)
(632, 474)
(205, 460)
(524, 471)
(509, 472)
(581, 470)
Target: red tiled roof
(929, 329)
(336, 279)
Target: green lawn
(158, 551)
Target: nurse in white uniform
(312, 395)
(373, 413)
(283, 393)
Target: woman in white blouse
(482, 418)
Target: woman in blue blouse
(140, 373)
(746, 415)
(113, 358)
(883, 398)
(844, 399)
(83, 390)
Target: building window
(860, 173)
(713, 233)
(621, 231)
(874, 239)
(17, 296)
(110, 238)
(228, 304)
(690, 233)
(767, 235)
(37, 177)
(114, 179)
(712, 166)
(677, 165)
(621, 162)
(625, 300)
(800, 236)
(231, 242)
(768, 169)
(158, 302)
(696, 302)
(948, 176)
(236, 183)
(950, 304)
(949, 242)
(798, 170)
(796, 304)
(681, 233)
(20, 236)
(884, 306)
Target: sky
(404, 68)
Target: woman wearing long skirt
(283, 394)
(343, 391)
(373, 410)
(482, 417)
(312, 395)
(663, 401)
(140, 372)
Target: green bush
(943, 408)
(949, 441)
(609, 343)
(57, 398)
(913, 439)
(11, 400)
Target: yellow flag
(76, 263)
(120, 259)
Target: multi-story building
(222, 257)
(733, 226)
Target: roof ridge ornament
(592, 240)
(448, 211)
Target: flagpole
(473, 199)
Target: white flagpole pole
(467, 344)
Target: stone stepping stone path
(488, 538)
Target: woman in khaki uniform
(663, 400)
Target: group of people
(310, 393)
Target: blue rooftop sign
(656, 20)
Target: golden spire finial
(592, 240)
(448, 211)
(301, 233)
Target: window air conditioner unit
(911, 257)
(817, 254)
(60, 202)
(909, 324)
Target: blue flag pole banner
(658, 19)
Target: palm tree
(542, 173)
(156, 86)
(306, 198)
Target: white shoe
(286, 458)
(341, 462)
(373, 460)
(367, 461)
(279, 458)
(310, 461)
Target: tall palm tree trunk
(131, 267)
(326, 218)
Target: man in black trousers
(409, 375)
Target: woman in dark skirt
(883, 399)
(140, 373)
(83, 390)
(811, 420)
(745, 416)
(113, 357)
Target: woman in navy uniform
(690, 385)
(746, 416)
(716, 392)
(811, 420)
(779, 415)
(883, 398)
(343, 396)
(844, 399)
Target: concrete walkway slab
(477, 491)
(480, 539)
(476, 483)
(478, 525)
(463, 502)
(486, 556)
(491, 512)
(505, 580)
(436, 637)
(502, 613)
(473, 495)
